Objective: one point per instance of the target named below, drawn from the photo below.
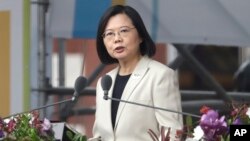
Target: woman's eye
(124, 30)
(109, 34)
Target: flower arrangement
(26, 127)
(214, 127)
(211, 126)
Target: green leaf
(189, 123)
(79, 137)
(228, 138)
(221, 138)
(70, 135)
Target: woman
(123, 39)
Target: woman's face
(121, 38)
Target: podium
(63, 131)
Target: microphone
(80, 84)
(106, 84)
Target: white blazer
(151, 83)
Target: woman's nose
(117, 37)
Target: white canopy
(218, 22)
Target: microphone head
(80, 84)
(106, 82)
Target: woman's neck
(127, 67)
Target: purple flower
(1, 134)
(212, 125)
(237, 121)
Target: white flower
(198, 133)
(248, 112)
(189, 139)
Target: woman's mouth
(119, 49)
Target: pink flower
(46, 125)
(11, 125)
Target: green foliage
(24, 130)
(75, 136)
(189, 124)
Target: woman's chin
(120, 57)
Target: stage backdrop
(14, 56)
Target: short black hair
(147, 47)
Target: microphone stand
(153, 107)
(80, 84)
(45, 106)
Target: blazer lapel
(135, 78)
